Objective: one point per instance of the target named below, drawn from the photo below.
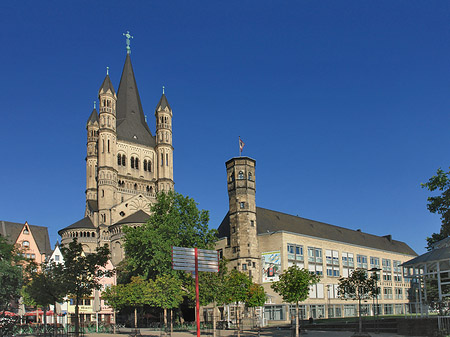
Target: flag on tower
(241, 145)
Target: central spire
(131, 124)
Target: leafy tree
(11, 276)
(47, 286)
(82, 273)
(439, 204)
(358, 286)
(209, 283)
(293, 286)
(136, 294)
(256, 297)
(237, 285)
(175, 220)
(166, 292)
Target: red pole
(197, 300)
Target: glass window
(240, 175)
(26, 244)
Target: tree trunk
(77, 314)
(165, 319)
(171, 322)
(237, 320)
(296, 320)
(45, 320)
(115, 323)
(55, 320)
(360, 318)
(135, 317)
(214, 319)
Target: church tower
(92, 128)
(107, 172)
(164, 148)
(242, 213)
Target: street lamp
(374, 270)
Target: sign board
(195, 260)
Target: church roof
(11, 230)
(163, 103)
(269, 221)
(107, 85)
(131, 124)
(138, 217)
(93, 117)
(83, 223)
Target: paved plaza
(230, 333)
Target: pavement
(229, 333)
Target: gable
(127, 208)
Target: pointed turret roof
(131, 124)
(163, 103)
(107, 85)
(93, 117)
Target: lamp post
(374, 270)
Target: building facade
(263, 243)
(33, 241)
(126, 165)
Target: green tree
(293, 286)
(114, 296)
(11, 276)
(439, 204)
(175, 220)
(211, 288)
(256, 297)
(166, 292)
(47, 286)
(82, 272)
(136, 294)
(237, 286)
(358, 286)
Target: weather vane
(128, 36)
(163, 89)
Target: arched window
(145, 164)
(149, 166)
(132, 162)
(249, 176)
(136, 163)
(108, 146)
(135, 186)
(26, 244)
(93, 235)
(123, 160)
(119, 159)
(241, 175)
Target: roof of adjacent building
(139, 217)
(163, 103)
(12, 230)
(83, 223)
(269, 221)
(131, 124)
(440, 251)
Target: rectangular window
(242, 204)
(388, 309)
(387, 293)
(167, 159)
(295, 252)
(374, 262)
(361, 261)
(398, 293)
(387, 265)
(162, 159)
(244, 266)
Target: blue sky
(343, 104)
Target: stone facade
(125, 165)
(263, 243)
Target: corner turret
(164, 148)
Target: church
(126, 165)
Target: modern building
(33, 241)
(264, 243)
(126, 165)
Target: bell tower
(92, 128)
(242, 211)
(107, 140)
(164, 148)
